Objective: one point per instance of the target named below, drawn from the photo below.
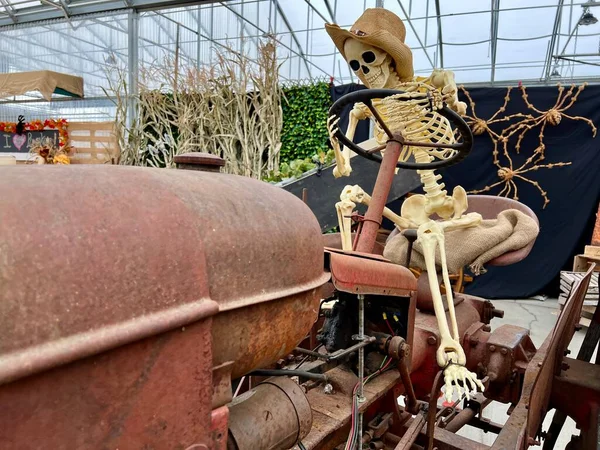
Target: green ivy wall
(304, 132)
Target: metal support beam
(294, 37)
(440, 41)
(329, 10)
(555, 31)
(59, 6)
(48, 10)
(316, 11)
(494, 35)
(9, 10)
(416, 34)
(277, 40)
(133, 22)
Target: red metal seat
(489, 206)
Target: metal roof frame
(88, 45)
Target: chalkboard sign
(21, 143)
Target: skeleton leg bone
(344, 209)
(450, 354)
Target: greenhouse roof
(497, 42)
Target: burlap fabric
(473, 247)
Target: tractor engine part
(274, 415)
(139, 293)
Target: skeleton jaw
(376, 78)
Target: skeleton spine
(433, 190)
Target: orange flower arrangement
(37, 125)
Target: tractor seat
(489, 206)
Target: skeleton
(416, 118)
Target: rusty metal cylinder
(461, 419)
(94, 258)
(274, 415)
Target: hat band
(358, 32)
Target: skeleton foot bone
(450, 354)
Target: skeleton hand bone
(444, 80)
(342, 157)
(342, 166)
(455, 373)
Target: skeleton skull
(370, 63)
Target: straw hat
(382, 29)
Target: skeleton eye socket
(368, 57)
(355, 65)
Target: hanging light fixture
(587, 19)
(555, 73)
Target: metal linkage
(361, 361)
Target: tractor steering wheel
(462, 148)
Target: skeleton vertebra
(415, 117)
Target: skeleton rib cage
(414, 114)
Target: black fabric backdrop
(567, 222)
(362, 130)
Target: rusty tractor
(187, 309)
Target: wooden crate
(582, 262)
(569, 279)
(93, 143)
(592, 251)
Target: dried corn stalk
(231, 108)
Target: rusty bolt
(492, 348)
(564, 366)
(431, 340)
(504, 351)
(486, 328)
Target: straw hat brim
(398, 50)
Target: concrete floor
(539, 317)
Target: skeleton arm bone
(342, 157)
(358, 195)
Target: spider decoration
(508, 173)
(552, 116)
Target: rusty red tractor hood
(148, 273)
